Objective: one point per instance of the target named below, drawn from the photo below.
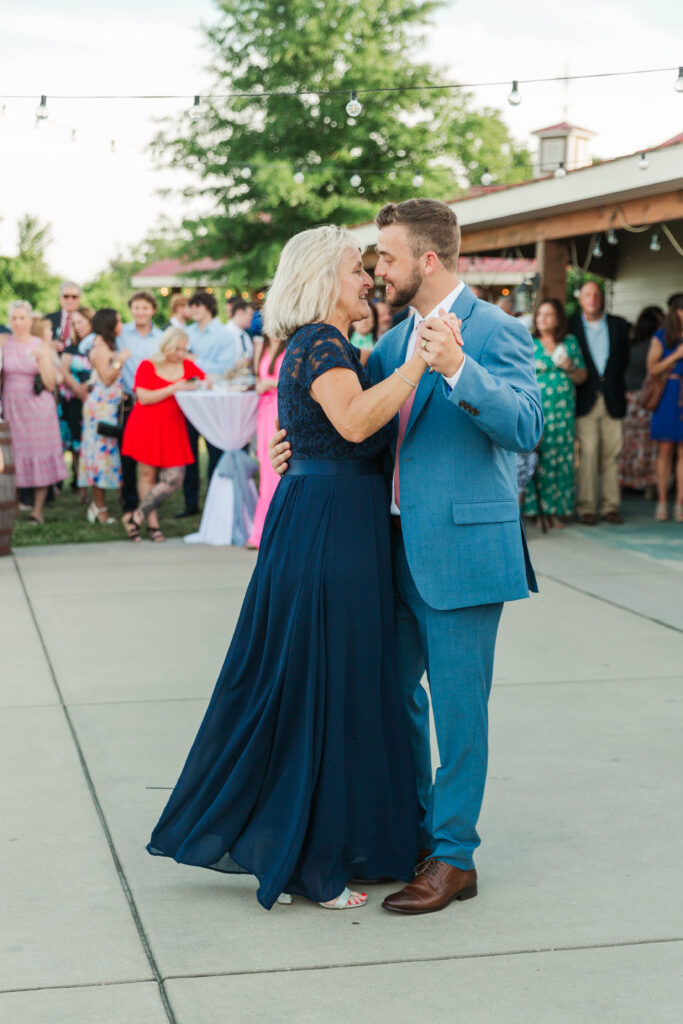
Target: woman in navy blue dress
(665, 355)
(301, 772)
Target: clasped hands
(440, 343)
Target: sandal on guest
(347, 900)
(155, 535)
(661, 512)
(131, 527)
(284, 898)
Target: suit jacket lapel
(462, 307)
(397, 354)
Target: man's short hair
(432, 227)
(143, 297)
(205, 299)
(239, 305)
(67, 286)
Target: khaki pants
(600, 439)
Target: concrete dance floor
(108, 654)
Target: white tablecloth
(225, 418)
(228, 420)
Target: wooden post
(553, 259)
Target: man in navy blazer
(460, 550)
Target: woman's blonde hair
(305, 288)
(169, 340)
(20, 304)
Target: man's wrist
(451, 379)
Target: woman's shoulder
(311, 334)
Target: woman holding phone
(156, 434)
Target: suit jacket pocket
(505, 510)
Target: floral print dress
(555, 474)
(100, 462)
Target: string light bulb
(643, 162)
(597, 248)
(355, 180)
(418, 181)
(112, 146)
(354, 106)
(560, 171)
(73, 134)
(196, 110)
(299, 177)
(612, 237)
(678, 84)
(42, 113)
(486, 178)
(514, 99)
(655, 244)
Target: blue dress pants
(455, 648)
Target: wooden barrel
(8, 496)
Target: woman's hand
(265, 385)
(124, 354)
(185, 385)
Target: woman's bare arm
(655, 363)
(356, 414)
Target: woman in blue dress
(301, 772)
(665, 355)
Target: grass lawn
(65, 521)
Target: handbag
(652, 390)
(38, 385)
(105, 428)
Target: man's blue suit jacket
(461, 522)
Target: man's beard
(404, 295)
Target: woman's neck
(547, 338)
(341, 323)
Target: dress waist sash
(334, 467)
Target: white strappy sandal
(347, 901)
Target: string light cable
(359, 91)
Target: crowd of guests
(599, 436)
(84, 381)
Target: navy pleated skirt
(302, 772)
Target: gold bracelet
(405, 379)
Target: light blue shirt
(142, 346)
(244, 346)
(597, 338)
(214, 348)
(86, 344)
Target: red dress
(156, 435)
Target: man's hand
(279, 450)
(440, 343)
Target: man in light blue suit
(460, 550)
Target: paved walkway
(108, 654)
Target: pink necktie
(403, 417)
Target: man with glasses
(69, 300)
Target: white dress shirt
(450, 381)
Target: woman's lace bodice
(311, 351)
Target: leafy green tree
(270, 164)
(26, 275)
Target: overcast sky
(100, 202)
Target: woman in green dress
(559, 368)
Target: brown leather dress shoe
(437, 885)
(588, 518)
(614, 518)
